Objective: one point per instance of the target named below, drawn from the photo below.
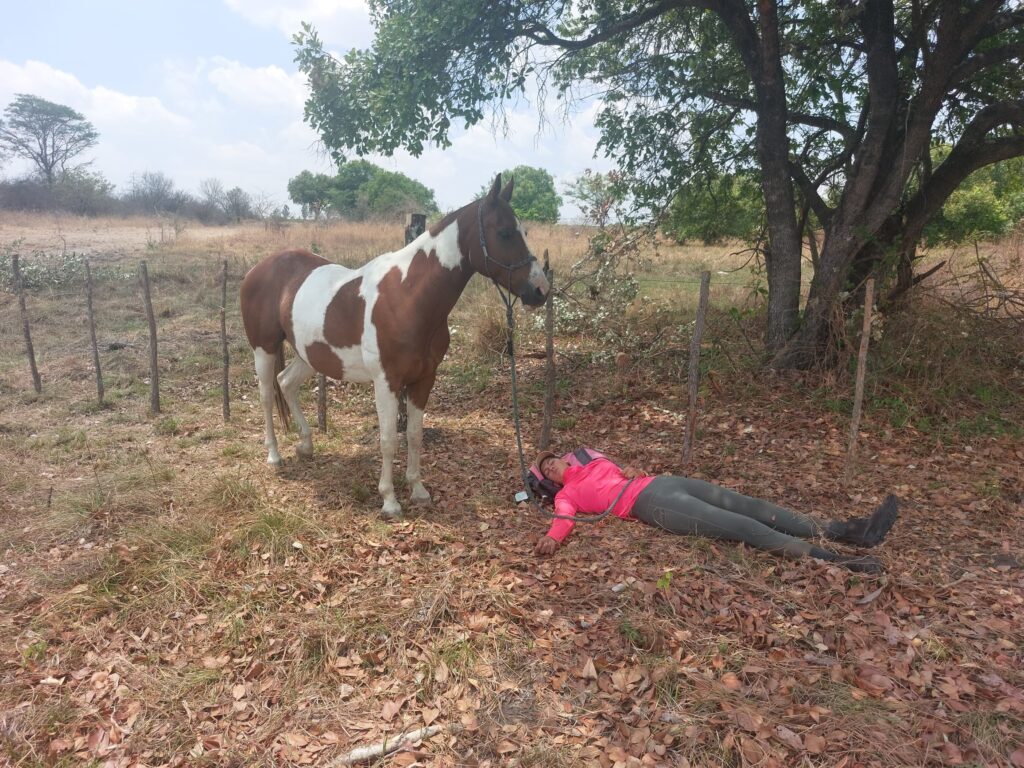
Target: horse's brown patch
(343, 322)
(411, 318)
(267, 293)
(320, 355)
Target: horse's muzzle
(532, 296)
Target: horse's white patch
(362, 361)
(538, 279)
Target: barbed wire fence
(152, 338)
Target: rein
(510, 349)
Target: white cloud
(262, 87)
(344, 23)
(102, 106)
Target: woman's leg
(772, 515)
(666, 504)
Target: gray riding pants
(686, 506)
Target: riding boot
(858, 563)
(866, 531)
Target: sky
(201, 89)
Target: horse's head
(504, 255)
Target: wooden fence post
(225, 381)
(858, 391)
(321, 402)
(693, 379)
(154, 371)
(19, 288)
(92, 333)
(550, 379)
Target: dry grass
(167, 598)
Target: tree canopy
(360, 190)
(832, 106)
(535, 198)
(47, 134)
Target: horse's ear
(506, 193)
(492, 196)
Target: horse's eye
(506, 234)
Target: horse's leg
(291, 380)
(387, 413)
(265, 372)
(417, 393)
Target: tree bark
(759, 47)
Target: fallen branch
(386, 747)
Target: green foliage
(535, 198)
(311, 191)
(389, 195)
(344, 189)
(598, 195)
(47, 134)
(360, 190)
(714, 209)
(986, 205)
(804, 96)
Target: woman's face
(553, 468)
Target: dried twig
(386, 747)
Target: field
(168, 599)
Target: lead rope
(510, 350)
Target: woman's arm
(560, 528)
(628, 472)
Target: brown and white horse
(385, 323)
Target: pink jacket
(590, 490)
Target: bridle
(488, 259)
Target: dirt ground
(167, 599)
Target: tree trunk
(759, 47)
(810, 346)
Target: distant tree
(211, 192)
(49, 135)
(311, 191)
(597, 195)
(716, 208)
(390, 195)
(285, 213)
(535, 198)
(84, 192)
(238, 204)
(152, 192)
(262, 205)
(987, 204)
(345, 188)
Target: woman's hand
(546, 546)
(631, 473)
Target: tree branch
(986, 59)
(543, 35)
(802, 118)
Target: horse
(385, 323)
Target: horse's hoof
(304, 453)
(420, 495)
(391, 510)
(274, 463)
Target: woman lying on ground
(686, 506)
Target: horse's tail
(282, 404)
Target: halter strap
(487, 254)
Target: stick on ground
(386, 747)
